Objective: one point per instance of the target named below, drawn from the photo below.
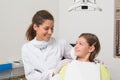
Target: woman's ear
(35, 27)
(92, 48)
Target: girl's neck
(83, 59)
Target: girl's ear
(92, 48)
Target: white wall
(15, 17)
(72, 24)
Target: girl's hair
(38, 19)
(92, 40)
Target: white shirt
(40, 63)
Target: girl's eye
(80, 43)
(46, 28)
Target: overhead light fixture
(84, 5)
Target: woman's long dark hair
(38, 19)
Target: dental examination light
(84, 5)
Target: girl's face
(82, 49)
(45, 30)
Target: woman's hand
(60, 65)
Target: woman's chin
(47, 39)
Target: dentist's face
(45, 30)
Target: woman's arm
(34, 68)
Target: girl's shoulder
(104, 72)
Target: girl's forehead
(81, 39)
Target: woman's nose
(50, 31)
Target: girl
(84, 68)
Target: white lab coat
(39, 64)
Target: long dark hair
(38, 19)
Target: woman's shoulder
(25, 45)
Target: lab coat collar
(40, 44)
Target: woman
(84, 68)
(42, 53)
